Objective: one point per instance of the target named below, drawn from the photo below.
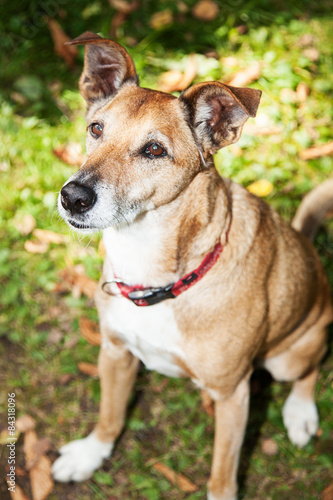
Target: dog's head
(143, 146)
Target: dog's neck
(166, 243)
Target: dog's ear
(107, 65)
(217, 112)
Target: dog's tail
(313, 209)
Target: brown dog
(229, 284)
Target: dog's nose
(77, 198)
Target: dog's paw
(300, 417)
(79, 459)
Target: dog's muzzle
(77, 198)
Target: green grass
(164, 423)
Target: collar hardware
(141, 296)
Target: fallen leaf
(65, 378)
(306, 40)
(89, 331)
(25, 423)
(18, 494)
(311, 53)
(25, 225)
(288, 95)
(54, 336)
(260, 188)
(269, 447)
(174, 80)
(36, 246)
(160, 386)
(302, 92)
(5, 437)
(182, 7)
(327, 494)
(75, 280)
(123, 6)
(70, 153)
(117, 20)
(88, 369)
(246, 76)
(229, 61)
(19, 98)
(179, 480)
(253, 129)
(41, 479)
(205, 10)
(161, 19)
(46, 236)
(67, 52)
(39, 466)
(317, 151)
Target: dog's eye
(96, 130)
(154, 150)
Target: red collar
(149, 296)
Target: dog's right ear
(107, 65)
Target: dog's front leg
(230, 423)
(80, 458)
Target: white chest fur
(150, 333)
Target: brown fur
(266, 301)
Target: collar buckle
(151, 296)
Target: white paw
(79, 459)
(300, 417)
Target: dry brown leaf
(36, 246)
(182, 7)
(75, 280)
(70, 153)
(25, 225)
(5, 437)
(38, 464)
(88, 369)
(327, 494)
(246, 76)
(117, 20)
(179, 480)
(18, 98)
(124, 6)
(41, 479)
(253, 129)
(89, 331)
(229, 61)
(205, 10)
(30, 440)
(317, 151)
(25, 423)
(161, 19)
(67, 52)
(311, 53)
(46, 236)
(174, 80)
(18, 494)
(302, 92)
(269, 447)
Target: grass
(40, 341)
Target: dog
(201, 278)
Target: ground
(41, 345)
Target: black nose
(77, 198)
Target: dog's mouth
(80, 226)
